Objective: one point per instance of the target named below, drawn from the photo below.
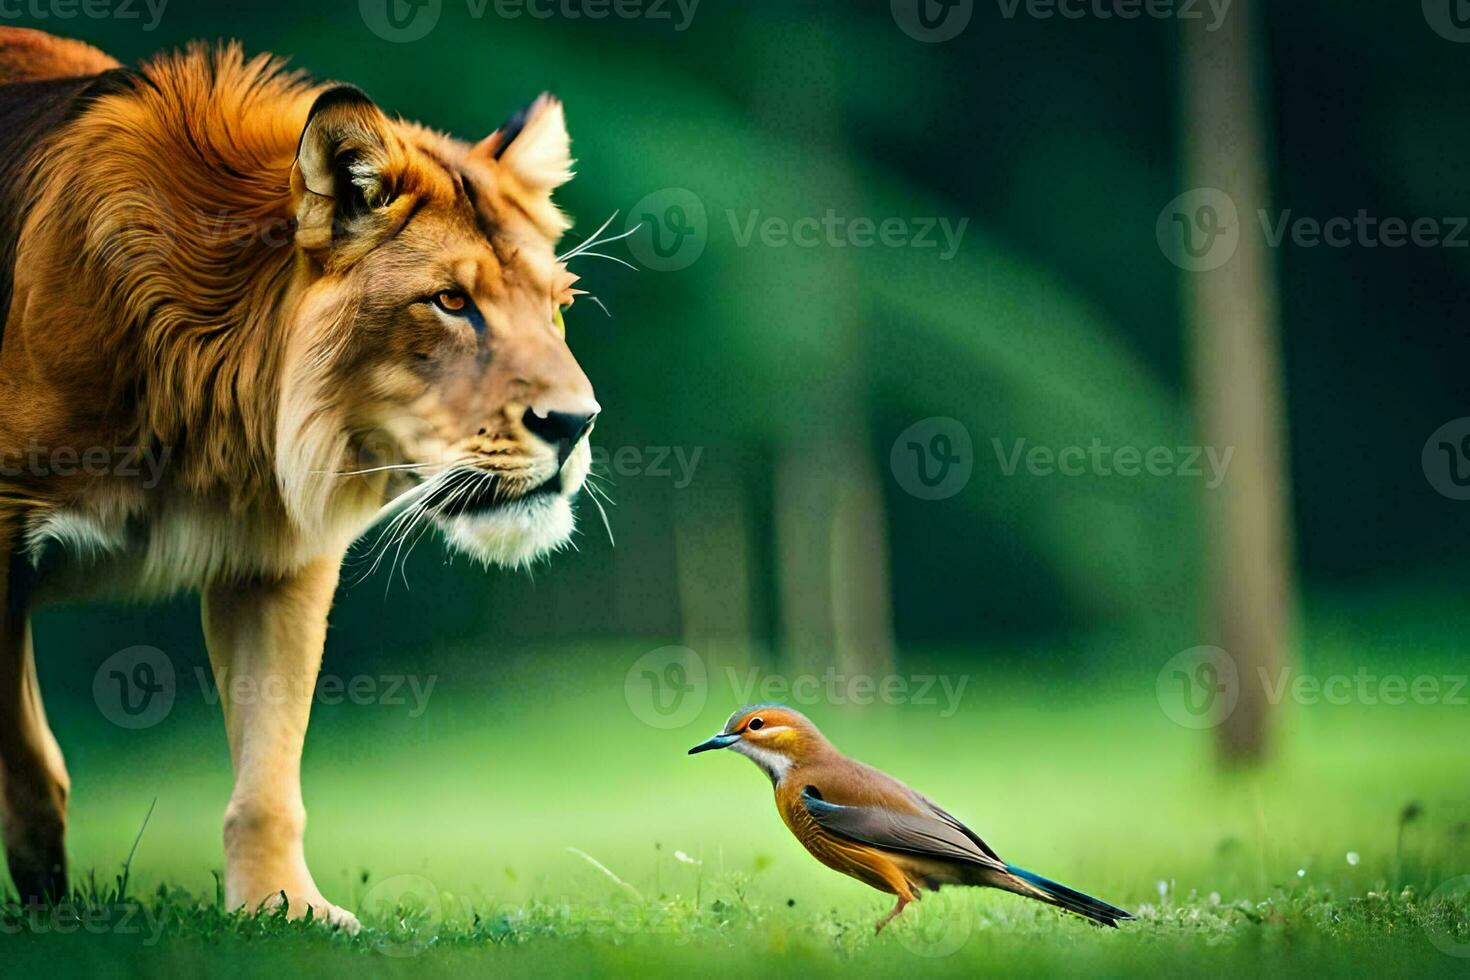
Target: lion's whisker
(397, 466)
(606, 524)
(468, 480)
(590, 240)
(601, 305)
(610, 258)
(590, 243)
(411, 503)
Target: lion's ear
(344, 167)
(533, 146)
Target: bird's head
(773, 736)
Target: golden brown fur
(306, 308)
(27, 54)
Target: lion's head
(427, 353)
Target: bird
(866, 824)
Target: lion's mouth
(468, 492)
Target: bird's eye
(452, 301)
(756, 724)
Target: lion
(301, 313)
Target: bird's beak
(720, 741)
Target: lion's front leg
(265, 642)
(33, 780)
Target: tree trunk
(1232, 313)
(832, 557)
(712, 552)
(831, 524)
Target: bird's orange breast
(870, 865)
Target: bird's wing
(914, 833)
(943, 815)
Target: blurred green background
(1057, 321)
(759, 401)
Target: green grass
(463, 837)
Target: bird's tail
(1033, 885)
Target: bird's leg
(902, 901)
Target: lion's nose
(560, 429)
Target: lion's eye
(756, 724)
(452, 301)
(560, 321)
